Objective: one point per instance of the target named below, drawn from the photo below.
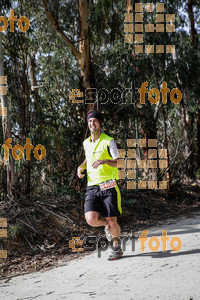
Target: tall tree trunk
(84, 48)
(148, 126)
(26, 128)
(193, 31)
(83, 54)
(168, 172)
(198, 137)
(6, 130)
(34, 88)
(193, 36)
(129, 6)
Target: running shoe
(108, 233)
(116, 254)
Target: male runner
(103, 199)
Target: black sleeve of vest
(109, 151)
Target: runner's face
(94, 125)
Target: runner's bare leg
(114, 228)
(93, 219)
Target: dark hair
(95, 114)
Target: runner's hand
(79, 172)
(98, 163)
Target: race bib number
(107, 184)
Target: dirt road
(138, 275)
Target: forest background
(80, 45)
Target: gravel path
(138, 275)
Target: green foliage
(58, 124)
(15, 230)
(197, 173)
(131, 202)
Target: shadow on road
(168, 253)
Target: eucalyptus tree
(6, 127)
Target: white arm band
(113, 149)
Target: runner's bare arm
(81, 168)
(110, 162)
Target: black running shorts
(104, 202)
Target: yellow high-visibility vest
(98, 152)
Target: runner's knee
(91, 220)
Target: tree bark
(34, 88)
(129, 6)
(193, 31)
(193, 36)
(83, 54)
(198, 137)
(6, 130)
(168, 172)
(26, 116)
